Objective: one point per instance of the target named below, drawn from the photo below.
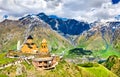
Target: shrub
(80, 51)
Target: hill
(63, 69)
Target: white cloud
(88, 10)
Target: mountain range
(66, 33)
(62, 25)
(97, 39)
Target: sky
(85, 10)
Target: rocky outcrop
(113, 64)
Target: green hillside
(63, 69)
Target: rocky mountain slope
(103, 36)
(12, 31)
(62, 25)
(69, 28)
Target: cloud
(87, 10)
